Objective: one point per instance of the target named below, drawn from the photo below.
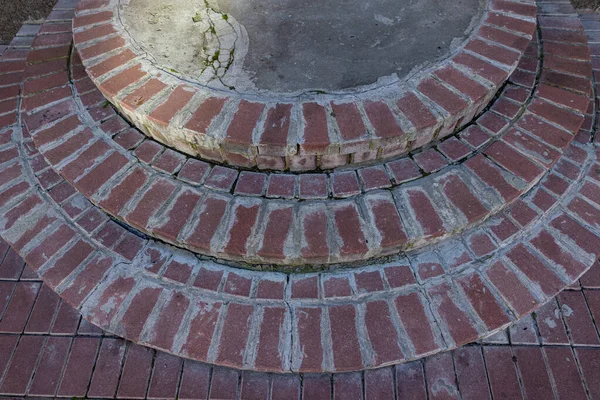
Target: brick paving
(498, 218)
(47, 349)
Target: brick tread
(445, 100)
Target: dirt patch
(15, 12)
(587, 4)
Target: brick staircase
(382, 260)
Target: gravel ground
(14, 12)
(588, 4)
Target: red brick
(136, 372)
(107, 368)
(139, 96)
(399, 275)
(454, 149)
(250, 183)
(115, 293)
(308, 327)
(563, 367)
(403, 170)
(138, 311)
(484, 302)
(517, 295)
(379, 383)
(165, 376)
(425, 213)
(69, 147)
(534, 376)
(67, 320)
(535, 270)
(457, 321)
(562, 117)
(344, 337)
(194, 381)
(93, 33)
(22, 365)
(154, 198)
(558, 255)
(502, 374)
(243, 218)
(441, 378)
(101, 174)
(348, 224)
(410, 381)
(194, 171)
(416, 322)
(417, 112)
(114, 62)
(243, 122)
(502, 37)
(461, 196)
(224, 384)
(305, 288)
(49, 370)
(314, 232)
(114, 85)
(514, 161)
(234, 337)
(168, 321)
(270, 289)
(49, 246)
(201, 331)
(462, 83)
(387, 221)
(103, 47)
(316, 136)
(79, 367)
(89, 19)
(86, 280)
(349, 121)
(147, 151)
(382, 333)
(374, 177)
(445, 98)
(47, 54)
(277, 125)
(85, 160)
(344, 184)
(276, 233)
(270, 351)
(221, 178)
(492, 176)
(470, 373)
(313, 186)
(212, 211)
(254, 386)
(67, 263)
(347, 386)
(578, 318)
(383, 120)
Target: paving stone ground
(47, 349)
(519, 219)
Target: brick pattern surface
(425, 301)
(327, 131)
(542, 357)
(389, 223)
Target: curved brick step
(435, 300)
(513, 145)
(432, 300)
(310, 131)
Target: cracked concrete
(280, 46)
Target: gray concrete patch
(283, 46)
